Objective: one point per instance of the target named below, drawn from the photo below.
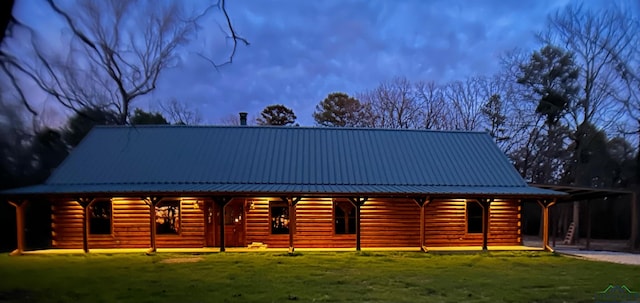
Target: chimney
(243, 118)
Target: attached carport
(577, 193)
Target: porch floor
(245, 250)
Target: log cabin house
(279, 187)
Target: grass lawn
(309, 277)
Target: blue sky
(303, 50)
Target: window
(233, 215)
(474, 218)
(168, 217)
(344, 218)
(100, 217)
(279, 214)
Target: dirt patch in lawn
(182, 260)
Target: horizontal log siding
(191, 227)
(66, 225)
(445, 224)
(505, 223)
(258, 227)
(390, 223)
(384, 223)
(130, 221)
(314, 226)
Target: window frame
(334, 225)
(91, 217)
(278, 204)
(467, 218)
(162, 203)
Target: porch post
(486, 204)
(422, 202)
(20, 205)
(291, 202)
(85, 203)
(358, 202)
(553, 216)
(588, 225)
(634, 242)
(152, 202)
(222, 203)
(545, 204)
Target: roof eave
(202, 194)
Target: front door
(210, 211)
(234, 219)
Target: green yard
(309, 277)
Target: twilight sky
(303, 50)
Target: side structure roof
(245, 160)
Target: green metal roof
(285, 160)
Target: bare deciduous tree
(599, 40)
(113, 52)
(430, 96)
(465, 100)
(180, 113)
(230, 119)
(393, 104)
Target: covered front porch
(434, 224)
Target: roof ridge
(377, 129)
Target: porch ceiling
(577, 193)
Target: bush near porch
(309, 277)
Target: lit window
(474, 218)
(168, 217)
(279, 213)
(232, 215)
(100, 217)
(344, 218)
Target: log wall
(314, 225)
(390, 223)
(130, 226)
(445, 224)
(384, 223)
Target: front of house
(181, 186)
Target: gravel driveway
(605, 256)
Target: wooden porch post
(20, 205)
(291, 202)
(422, 202)
(222, 203)
(545, 204)
(152, 202)
(85, 203)
(553, 216)
(485, 203)
(358, 202)
(588, 225)
(634, 242)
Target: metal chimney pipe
(243, 118)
